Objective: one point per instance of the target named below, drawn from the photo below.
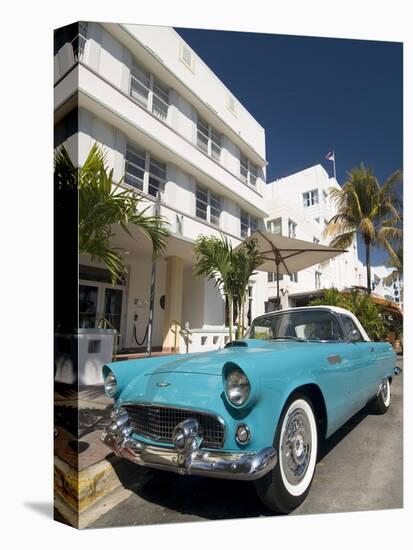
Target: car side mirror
(354, 336)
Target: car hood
(174, 380)
(211, 362)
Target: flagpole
(334, 165)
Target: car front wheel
(296, 440)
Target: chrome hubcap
(296, 446)
(385, 391)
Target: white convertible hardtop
(335, 309)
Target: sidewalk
(92, 396)
(85, 469)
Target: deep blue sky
(313, 95)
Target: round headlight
(110, 384)
(237, 387)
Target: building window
(317, 279)
(79, 42)
(145, 89)
(143, 172)
(186, 56)
(253, 224)
(294, 277)
(325, 196)
(135, 167)
(248, 171)
(244, 224)
(208, 205)
(157, 176)
(249, 224)
(275, 226)
(272, 277)
(292, 229)
(215, 208)
(310, 198)
(316, 241)
(160, 101)
(201, 202)
(231, 105)
(75, 35)
(208, 139)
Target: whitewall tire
(296, 442)
(381, 403)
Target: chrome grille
(158, 423)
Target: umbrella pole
(278, 284)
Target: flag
(330, 155)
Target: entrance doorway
(99, 300)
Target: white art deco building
(170, 126)
(299, 207)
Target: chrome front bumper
(189, 460)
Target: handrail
(105, 323)
(183, 329)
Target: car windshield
(309, 325)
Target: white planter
(92, 347)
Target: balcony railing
(78, 46)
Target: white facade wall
(99, 85)
(284, 199)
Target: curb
(81, 520)
(80, 489)
(82, 497)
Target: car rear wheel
(296, 441)
(381, 403)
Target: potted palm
(101, 205)
(230, 270)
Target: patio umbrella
(289, 255)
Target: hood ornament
(163, 384)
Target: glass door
(101, 301)
(112, 306)
(88, 306)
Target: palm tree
(230, 269)
(366, 208)
(214, 260)
(246, 259)
(103, 204)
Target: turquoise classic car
(255, 410)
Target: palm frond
(389, 233)
(103, 204)
(345, 240)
